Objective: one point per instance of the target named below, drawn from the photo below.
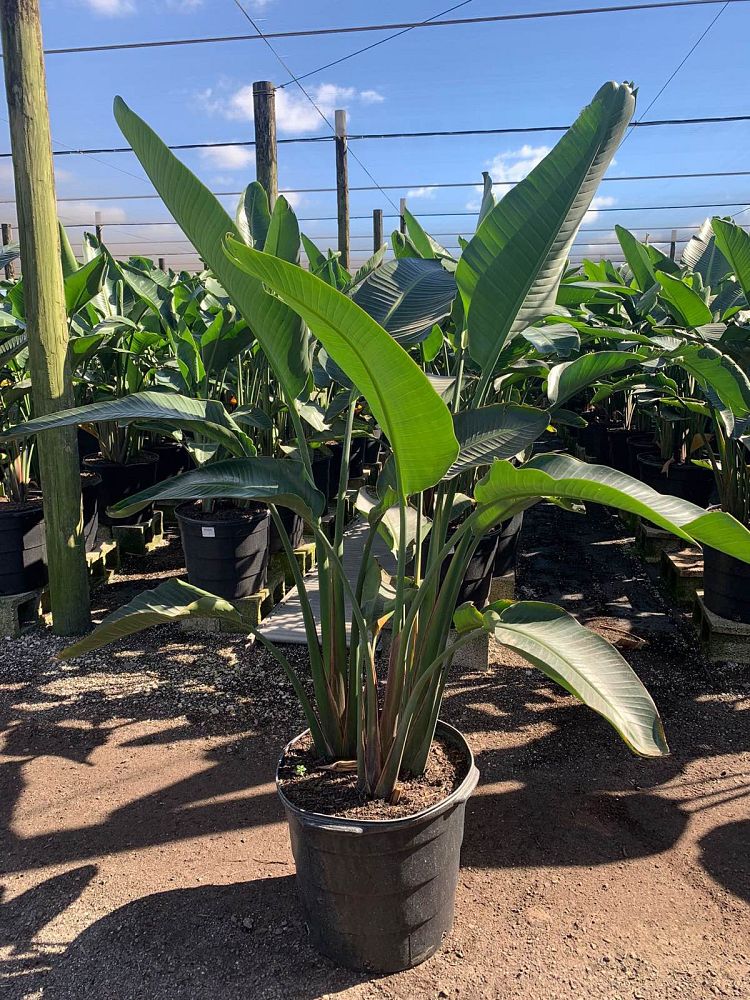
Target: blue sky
(481, 76)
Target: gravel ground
(144, 854)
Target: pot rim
(144, 457)
(339, 824)
(261, 513)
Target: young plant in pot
(377, 870)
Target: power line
(706, 120)
(406, 25)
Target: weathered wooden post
(7, 231)
(673, 245)
(342, 188)
(402, 216)
(98, 226)
(377, 229)
(161, 264)
(46, 319)
(264, 113)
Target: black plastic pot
(726, 585)
(173, 458)
(373, 447)
(639, 443)
(227, 556)
(477, 579)
(379, 894)
(87, 444)
(357, 457)
(295, 528)
(508, 533)
(617, 448)
(23, 552)
(120, 481)
(594, 439)
(90, 484)
(689, 482)
(321, 470)
(334, 471)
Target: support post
(98, 226)
(342, 188)
(402, 216)
(161, 264)
(47, 323)
(377, 229)
(266, 164)
(673, 245)
(7, 230)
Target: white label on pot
(208, 532)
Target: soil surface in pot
(7, 505)
(334, 793)
(223, 511)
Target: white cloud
(228, 157)
(111, 8)
(294, 198)
(421, 192)
(295, 115)
(600, 201)
(184, 6)
(515, 164)
(85, 212)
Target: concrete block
(650, 542)
(19, 612)
(140, 539)
(682, 573)
(474, 656)
(722, 639)
(503, 588)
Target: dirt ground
(144, 853)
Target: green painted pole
(44, 296)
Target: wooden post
(7, 230)
(46, 319)
(161, 264)
(342, 188)
(402, 217)
(673, 245)
(377, 229)
(266, 165)
(98, 225)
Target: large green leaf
(584, 664)
(428, 248)
(407, 297)
(506, 489)
(282, 237)
(498, 431)
(266, 480)
(168, 603)
(413, 417)
(702, 254)
(637, 257)
(734, 243)
(713, 370)
(203, 416)
(687, 307)
(253, 215)
(509, 273)
(569, 377)
(206, 224)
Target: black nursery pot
(379, 894)
(90, 484)
(477, 579)
(23, 551)
(357, 457)
(726, 585)
(173, 459)
(617, 448)
(689, 482)
(226, 552)
(508, 534)
(321, 470)
(594, 438)
(87, 444)
(295, 528)
(639, 443)
(334, 469)
(120, 481)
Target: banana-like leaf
(407, 297)
(282, 238)
(713, 370)
(170, 602)
(428, 248)
(687, 307)
(265, 480)
(488, 198)
(584, 664)
(12, 346)
(507, 489)
(370, 265)
(9, 253)
(413, 417)
(637, 257)
(253, 215)
(734, 244)
(703, 254)
(389, 524)
(67, 257)
(509, 274)
(569, 377)
(559, 338)
(498, 431)
(206, 417)
(206, 224)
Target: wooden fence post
(266, 164)
(377, 229)
(342, 188)
(161, 264)
(46, 318)
(673, 245)
(402, 216)
(98, 226)
(7, 230)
